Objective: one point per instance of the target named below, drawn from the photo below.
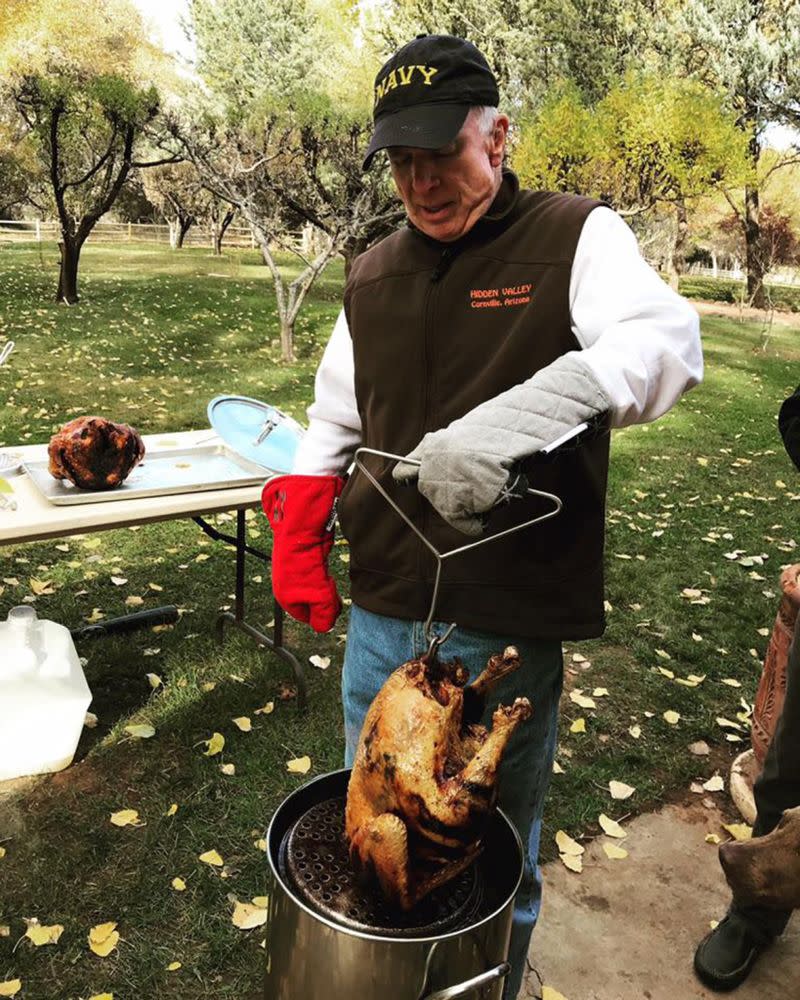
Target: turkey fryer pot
(317, 953)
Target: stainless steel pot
(312, 957)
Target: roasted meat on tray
(423, 784)
(94, 453)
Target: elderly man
(492, 323)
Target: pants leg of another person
(778, 786)
(377, 645)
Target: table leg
(236, 617)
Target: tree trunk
(68, 275)
(185, 225)
(218, 231)
(755, 257)
(287, 339)
(752, 227)
(681, 236)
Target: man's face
(445, 191)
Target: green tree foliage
(649, 140)
(648, 143)
(84, 102)
(534, 45)
(749, 50)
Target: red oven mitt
(302, 511)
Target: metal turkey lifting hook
(436, 640)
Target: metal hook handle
(433, 639)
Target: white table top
(36, 518)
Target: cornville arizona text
(489, 298)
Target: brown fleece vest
(438, 329)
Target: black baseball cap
(424, 92)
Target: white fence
(786, 276)
(122, 232)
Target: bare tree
(275, 176)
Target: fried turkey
(94, 453)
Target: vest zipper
(444, 262)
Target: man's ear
(497, 140)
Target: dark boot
(724, 957)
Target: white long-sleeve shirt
(641, 339)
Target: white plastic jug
(43, 695)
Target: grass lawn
(703, 501)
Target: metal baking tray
(178, 470)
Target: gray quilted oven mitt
(466, 466)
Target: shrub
(783, 297)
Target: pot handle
(462, 989)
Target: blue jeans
(377, 645)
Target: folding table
(35, 518)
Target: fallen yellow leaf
(246, 916)
(578, 726)
(172, 809)
(673, 718)
(611, 827)
(712, 838)
(41, 934)
(141, 731)
(243, 723)
(153, 680)
(102, 996)
(614, 852)
(212, 858)
(227, 769)
(173, 966)
(10, 987)
(266, 710)
(580, 699)
(739, 831)
(567, 845)
(619, 790)
(300, 765)
(214, 745)
(178, 884)
(103, 939)
(573, 862)
(126, 817)
(548, 993)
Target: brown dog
(765, 871)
